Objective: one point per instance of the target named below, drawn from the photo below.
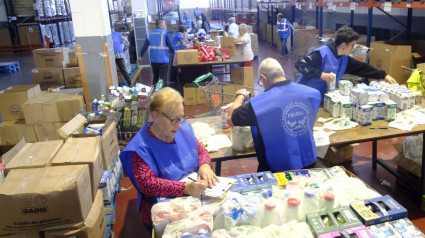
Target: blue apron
(168, 161)
(330, 64)
(158, 49)
(285, 116)
(117, 40)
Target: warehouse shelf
(57, 18)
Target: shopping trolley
(218, 94)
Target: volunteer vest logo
(190, 156)
(295, 119)
(34, 205)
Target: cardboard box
(200, 97)
(190, 96)
(38, 198)
(24, 235)
(337, 155)
(94, 225)
(72, 77)
(46, 131)
(25, 131)
(187, 57)
(393, 210)
(389, 56)
(82, 151)
(29, 35)
(7, 133)
(109, 140)
(31, 155)
(69, 105)
(5, 39)
(269, 33)
(243, 76)
(73, 59)
(48, 77)
(54, 57)
(228, 43)
(11, 100)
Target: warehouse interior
(85, 69)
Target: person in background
(178, 43)
(233, 27)
(163, 152)
(196, 13)
(281, 120)
(179, 38)
(328, 63)
(187, 21)
(244, 47)
(283, 28)
(160, 46)
(205, 23)
(120, 45)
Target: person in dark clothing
(121, 44)
(281, 120)
(178, 43)
(160, 45)
(328, 63)
(205, 23)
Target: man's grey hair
(271, 68)
(243, 27)
(232, 20)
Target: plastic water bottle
(272, 209)
(310, 202)
(328, 200)
(291, 211)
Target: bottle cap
(314, 185)
(309, 192)
(267, 193)
(292, 202)
(329, 196)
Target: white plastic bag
(160, 214)
(412, 147)
(242, 138)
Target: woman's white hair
(232, 20)
(271, 68)
(243, 27)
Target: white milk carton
(373, 105)
(363, 86)
(390, 110)
(345, 87)
(365, 115)
(346, 109)
(379, 111)
(327, 102)
(402, 100)
(358, 96)
(372, 96)
(334, 107)
(412, 98)
(382, 96)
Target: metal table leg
(217, 168)
(374, 154)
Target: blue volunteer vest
(196, 13)
(117, 40)
(159, 52)
(285, 116)
(168, 161)
(283, 28)
(330, 63)
(187, 22)
(176, 40)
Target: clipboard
(218, 191)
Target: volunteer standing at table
(328, 63)
(233, 27)
(187, 21)
(281, 119)
(163, 152)
(243, 46)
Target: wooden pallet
(9, 67)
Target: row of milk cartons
(364, 104)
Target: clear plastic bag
(242, 138)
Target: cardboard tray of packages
(109, 139)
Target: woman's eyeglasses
(175, 120)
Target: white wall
(3, 14)
(139, 6)
(90, 18)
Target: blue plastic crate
(9, 67)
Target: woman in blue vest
(283, 28)
(187, 21)
(178, 43)
(281, 120)
(163, 152)
(328, 63)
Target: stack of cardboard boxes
(51, 68)
(254, 43)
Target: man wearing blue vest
(160, 46)
(328, 63)
(281, 119)
(283, 28)
(187, 21)
(196, 13)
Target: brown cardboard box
(69, 105)
(243, 76)
(29, 35)
(269, 33)
(229, 92)
(11, 100)
(5, 37)
(48, 77)
(54, 57)
(24, 235)
(109, 140)
(7, 133)
(200, 97)
(31, 155)
(189, 93)
(187, 57)
(338, 155)
(94, 225)
(228, 43)
(82, 151)
(72, 77)
(389, 56)
(73, 59)
(45, 131)
(25, 131)
(38, 198)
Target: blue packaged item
(265, 179)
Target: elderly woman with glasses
(163, 152)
